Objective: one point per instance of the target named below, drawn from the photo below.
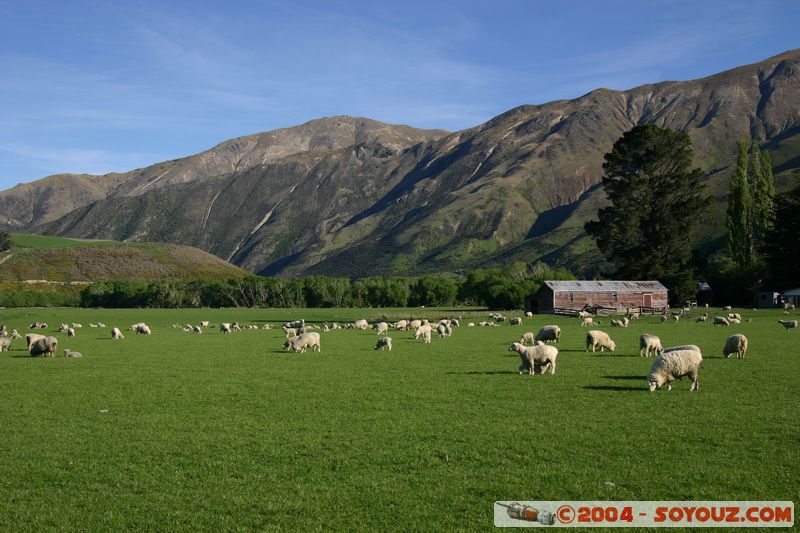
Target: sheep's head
(612, 345)
(514, 347)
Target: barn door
(647, 300)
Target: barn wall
(604, 299)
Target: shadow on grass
(611, 354)
(632, 378)
(617, 388)
(484, 373)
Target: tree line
(502, 287)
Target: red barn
(571, 296)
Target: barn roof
(616, 286)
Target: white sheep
(15, 335)
(204, 323)
(361, 324)
(142, 329)
(529, 314)
(788, 306)
(303, 341)
(737, 316)
(70, 353)
(444, 330)
(455, 323)
(540, 354)
(596, 338)
(426, 337)
(701, 319)
(290, 332)
(471, 324)
(384, 342)
(45, 346)
(649, 343)
(736, 344)
(589, 321)
(197, 330)
(30, 338)
(224, 328)
(549, 333)
(788, 324)
(423, 330)
(734, 320)
(401, 325)
(527, 338)
(116, 334)
(5, 343)
(296, 324)
(584, 314)
(381, 328)
(721, 321)
(75, 325)
(675, 363)
(414, 324)
(516, 321)
(70, 332)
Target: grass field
(182, 432)
(39, 242)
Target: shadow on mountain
(552, 219)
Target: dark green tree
(781, 244)
(739, 217)
(762, 186)
(657, 201)
(5, 241)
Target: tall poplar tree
(763, 190)
(739, 217)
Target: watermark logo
(643, 514)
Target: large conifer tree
(739, 219)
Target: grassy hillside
(37, 257)
(212, 432)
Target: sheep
(727, 308)
(361, 324)
(101, 325)
(788, 306)
(721, 321)
(401, 325)
(299, 343)
(616, 323)
(204, 323)
(142, 329)
(649, 343)
(15, 335)
(422, 330)
(384, 342)
(63, 328)
(381, 328)
(549, 333)
(296, 324)
(30, 338)
(528, 314)
(455, 323)
(5, 343)
(75, 325)
(676, 317)
(584, 314)
(444, 321)
(70, 332)
(788, 324)
(444, 330)
(116, 334)
(734, 321)
(701, 319)
(471, 324)
(540, 355)
(197, 330)
(414, 324)
(663, 318)
(236, 327)
(426, 337)
(224, 328)
(516, 321)
(527, 338)
(589, 321)
(675, 363)
(45, 346)
(737, 316)
(290, 332)
(596, 338)
(70, 353)
(93, 325)
(736, 344)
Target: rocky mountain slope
(386, 199)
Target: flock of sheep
(535, 351)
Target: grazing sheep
(414, 324)
(737, 316)
(596, 338)
(734, 321)
(516, 321)
(204, 323)
(540, 355)
(401, 325)
(444, 330)
(663, 318)
(471, 324)
(381, 328)
(788, 324)
(100, 325)
(675, 363)
(45, 346)
(70, 332)
(529, 314)
(584, 314)
(290, 332)
(788, 307)
(265, 326)
(384, 342)
(296, 324)
(75, 325)
(30, 338)
(63, 328)
(361, 324)
(721, 321)
(701, 319)
(70, 353)
(422, 330)
(649, 343)
(224, 328)
(236, 327)
(616, 323)
(736, 344)
(549, 333)
(142, 329)
(455, 322)
(727, 308)
(15, 335)
(589, 321)
(527, 338)
(426, 337)
(5, 343)
(197, 330)
(303, 341)
(116, 334)
(676, 317)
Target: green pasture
(38, 242)
(212, 432)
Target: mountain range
(355, 197)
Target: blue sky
(101, 86)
